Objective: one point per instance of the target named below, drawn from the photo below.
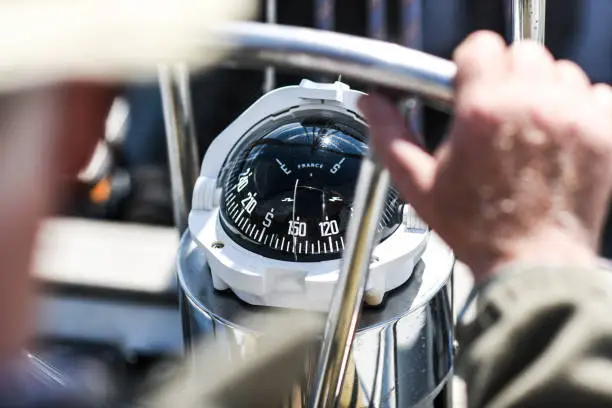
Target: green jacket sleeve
(542, 337)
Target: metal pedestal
(402, 355)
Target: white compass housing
(246, 253)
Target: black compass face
(289, 194)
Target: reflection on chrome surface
(403, 351)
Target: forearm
(47, 135)
(542, 337)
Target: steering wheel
(303, 49)
(375, 62)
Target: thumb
(411, 168)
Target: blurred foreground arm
(519, 191)
(55, 92)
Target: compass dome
(288, 192)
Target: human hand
(526, 172)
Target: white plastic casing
(269, 282)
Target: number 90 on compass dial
(288, 195)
